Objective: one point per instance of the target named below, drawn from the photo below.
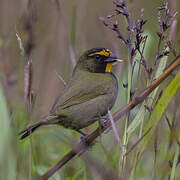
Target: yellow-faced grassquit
(90, 93)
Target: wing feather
(79, 91)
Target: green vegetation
(54, 34)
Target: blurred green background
(61, 31)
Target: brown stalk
(82, 147)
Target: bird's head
(97, 60)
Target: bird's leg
(103, 123)
(101, 118)
(104, 120)
(83, 137)
(82, 133)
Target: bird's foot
(101, 118)
(83, 139)
(104, 123)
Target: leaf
(175, 163)
(137, 120)
(159, 109)
(161, 67)
(142, 112)
(7, 156)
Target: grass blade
(7, 156)
(160, 108)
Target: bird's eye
(97, 56)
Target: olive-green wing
(78, 99)
(76, 94)
(84, 87)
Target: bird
(91, 91)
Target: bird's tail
(48, 120)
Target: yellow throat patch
(108, 67)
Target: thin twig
(27, 83)
(173, 11)
(20, 44)
(115, 132)
(60, 78)
(72, 55)
(114, 27)
(29, 20)
(164, 23)
(172, 130)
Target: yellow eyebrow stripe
(102, 53)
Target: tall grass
(79, 27)
(8, 157)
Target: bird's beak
(112, 58)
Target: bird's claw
(83, 140)
(104, 124)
